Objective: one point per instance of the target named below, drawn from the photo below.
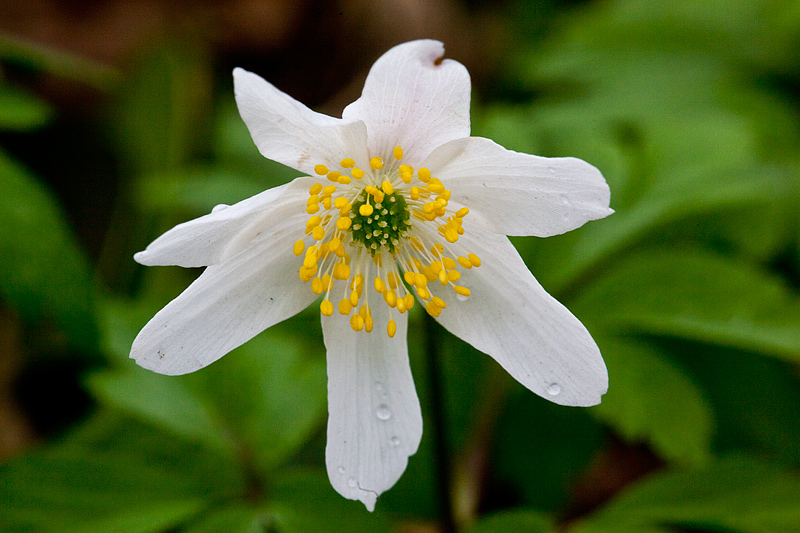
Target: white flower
(395, 191)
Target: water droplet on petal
(394, 441)
(564, 199)
(219, 207)
(461, 297)
(352, 482)
(554, 389)
(552, 170)
(384, 413)
(340, 470)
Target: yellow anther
(318, 233)
(311, 250)
(387, 187)
(448, 263)
(443, 277)
(463, 291)
(345, 210)
(415, 193)
(398, 153)
(340, 251)
(437, 249)
(316, 286)
(450, 235)
(433, 309)
(406, 177)
(378, 197)
(461, 213)
(439, 302)
(347, 163)
(329, 190)
(409, 299)
(446, 195)
(380, 286)
(307, 274)
(420, 280)
(368, 323)
(343, 223)
(424, 175)
(474, 259)
(321, 169)
(401, 305)
(312, 209)
(354, 298)
(405, 168)
(343, 271)
(365, 210)
(376, 163)
(423, 293)
(340, 202)
(327, 282)
(313, 221)
(391, 328)
(343, 179)
(454, 275)
(409, 277)
(436, 266)
(435, 186)
(326, 308)
(364, 311)
(334, 244)
(357, 173)
(298, 247)
(464, 262)
(310, 261)
(345, 306)
(393, 280)
(429, 274)
(333, 175)
(315, 189)
(391, 298)
(326, 202)
(356, 322)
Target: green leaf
(21, 111)
(517, 520)
(651, 398)
(43, 272)
(271, 392)
(163, 401)
(696, 295)
(234, 519)
(114, 473)
(303, 500)
(734, 494)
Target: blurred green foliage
(690, 109)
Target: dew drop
(352, 482)
(219, 207)
(340, 470)
(564, 199)
(394, 441)
(461, 297)
(554, 389)
(384, 413)
(552, 170)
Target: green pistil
(384, 228)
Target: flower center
(388, 227)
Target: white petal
(227, 305)
(286, 131)
(218, 236)
(510, 317)
(521, 194)
(413, 99)
(374, 422)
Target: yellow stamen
(391, 328)
(345, 306)
(326, 308)
(321, 169)
(398, 153)
(376, 163)
(347, 163)
(298, 247)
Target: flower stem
(433, 348)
